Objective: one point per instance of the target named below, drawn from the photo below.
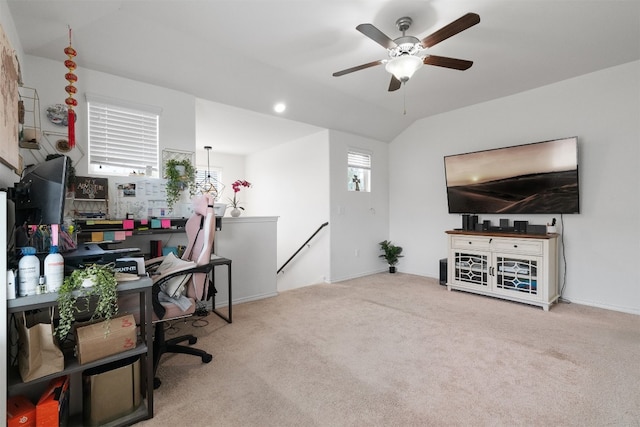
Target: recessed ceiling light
(279, 107)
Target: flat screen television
(538, 178)
(39, 196)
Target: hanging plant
(180, 175)
(98, 281)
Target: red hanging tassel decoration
(72, 128)
(71, 90)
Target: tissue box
(219, 209)
(20, 412)
(53, 407)
(111, 391)
(99, 340)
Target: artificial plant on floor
(391, 254)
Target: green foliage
(177, 181)
(391, 252)
(73, 298)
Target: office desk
(211, 293)
(144, 349)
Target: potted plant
(391, 254)
(235, 203)
(180, 175)
(96, 282)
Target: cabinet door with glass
(516, 275)
(470, 269)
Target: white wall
(177, 120)
(602, 242)
(291, 181)
(232, 167)
(359, 220)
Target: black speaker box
(474, 222)
(536, 229)
(465, 221)
(504, 222)
(443, 271)
(520, 226)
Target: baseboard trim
(356, 276)
(225, 303)
(628, 310)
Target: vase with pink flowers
(235, 202)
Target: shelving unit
(144, 349)
(86, 227)
(516, 267)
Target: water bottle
(54, 270)
(28, 272)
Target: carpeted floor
(400, 350)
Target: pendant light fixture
(210, 185)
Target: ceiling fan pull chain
(404, 97)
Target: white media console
(516, 267)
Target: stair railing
(302, 246)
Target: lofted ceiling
(239, 57)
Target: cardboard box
(111, 391)
(103, 339)
(53, 407)
(20, 412)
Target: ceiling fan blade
(457, 26)
(358, 68)
(394, 84)
(443, 61)
(376, 35)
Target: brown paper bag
(38, 353)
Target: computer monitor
(39, 196)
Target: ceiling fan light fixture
(279, 107)
(403, 67)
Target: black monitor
(40, 194)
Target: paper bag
(38, 355)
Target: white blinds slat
(122, 137)
(359, 160)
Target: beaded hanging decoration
(71, 90)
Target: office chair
(179, 283)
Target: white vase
(235, 212)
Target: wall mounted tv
(538, 178)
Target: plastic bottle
(11, 284)
(54, 270)
(28, 272)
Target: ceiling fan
(408, 53)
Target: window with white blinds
(122, 140)
(358, 171)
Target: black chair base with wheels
(162, 346)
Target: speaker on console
(536, 229)
(520, 226)
(474, 222)
(465, 221)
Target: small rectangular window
(358, 171)
(122, 139)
